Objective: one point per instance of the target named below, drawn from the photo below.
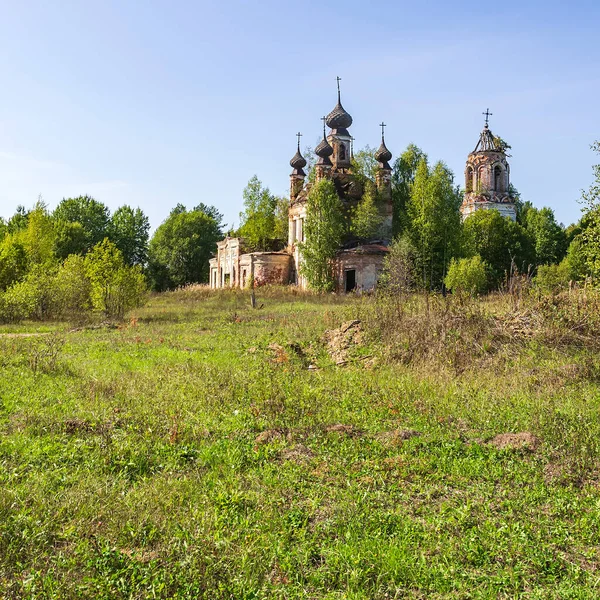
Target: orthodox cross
(323, 119)
(383, 126)
(487, 114)
(298, 135)
(338, 83)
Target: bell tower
(338, 120)
(487, 184)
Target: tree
(280, 232)
(115, 287)
(364, 164)
(129, 229)
(13, 261)
(500, 241)
(467, 276)
(70, 238)
(18, 221)
(591, 234)
(210, 211)
(181, 248)
(366, 219)
(258, 218)
(400, 266)
(433, 221)
(549, 238)
(324, 227)
(403, 176)
(39, 235)
(93, 216)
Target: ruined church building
(358, 262)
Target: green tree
(129, 230)
(366, 219)
(590, 235)
(403, 177)
(549, 238)
(258, 218)
(38, 236)
(115, 287)
(467, 276)
(210, 211)
(280, 232)
(324, 228)
(18, 221)
(72, 289)
(93, 216)
(181, 248)
(364, 164)
(13, 261)
(400, 266)
(70, 238)
(500, 241)
(433, 221)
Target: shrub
(553, 278)
(20, 301)
(72, 289)
(399, 268)
(467, 276)
(115, 288)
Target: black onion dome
(298, 161)
(324, 149)
(338, 118)
(383, 155)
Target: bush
(115, 288)
(72, 289)
(20, 301)
(467, 276)
(553, 278)
(399, 268)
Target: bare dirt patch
(340, 341)
(523, 440)
(268, 436)
(299, 454)
(343, 430)
(396, 436)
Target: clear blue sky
(154, 103)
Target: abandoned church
(358, 263)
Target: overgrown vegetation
(431, 447)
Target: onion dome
(324, 151)
(298, 161)
(338, 118)
(383, 155)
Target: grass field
(208, 450)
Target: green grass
(134, 462)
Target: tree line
(81, 241)
(434, 249)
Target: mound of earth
(340, 341)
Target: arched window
(342, 152)
(469, 181)
(498, 178)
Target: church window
(498, 179)
(342, 152)
(469, 183)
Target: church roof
(298, 161)
(338, 118)
(383, 155)
(487, 142)
(324, 150)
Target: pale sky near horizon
(154, 103)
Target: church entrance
(350, 280)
